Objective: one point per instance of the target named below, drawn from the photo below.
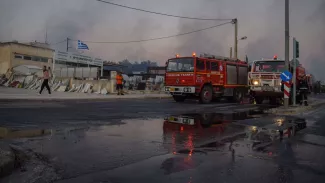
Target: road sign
(286, 76)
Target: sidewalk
(293, 110)
(23, 94)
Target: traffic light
(297, 49)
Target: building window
(36, 59)
(27, 58)
(18, 56)
(44, 60)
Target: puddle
(197, 121)
(6, 133)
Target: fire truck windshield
(180, 65)
(269, 66)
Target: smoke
(262, 21)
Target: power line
(164, 14)
(158, 38)
(59, 42)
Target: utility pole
(230, 52)
(294, 73)
(235, 22)
(287, 39)
(68, 44)
(45, 35)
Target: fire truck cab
(264, 79)
(206, 77)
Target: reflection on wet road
(217, 143)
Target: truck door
(215, 73)
(200, 71)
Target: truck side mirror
(249, 68)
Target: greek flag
(82, 46)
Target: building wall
(39, 56)
(4, 58)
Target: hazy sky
(262, 21)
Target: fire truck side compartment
(242, 76)
(231, 74)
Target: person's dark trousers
(45, 84)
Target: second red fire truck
(206, 77)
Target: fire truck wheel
(237, 96)
(273, 101)
(206, 94)
(179, 98)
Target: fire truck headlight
(255, 83)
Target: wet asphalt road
(129, 141)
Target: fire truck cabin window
(180, 65)
(269, 66)
(214, 66)
(200, 66)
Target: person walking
(46, 77)
(119, 83)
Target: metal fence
(80, 72)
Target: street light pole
(287, 39)
(294, 73)
(68, 44)
(235, 21)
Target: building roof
(30, 67)
(23, 44)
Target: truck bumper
(258, 93)
(180, 90)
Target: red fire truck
(206, 77)
(264, 79)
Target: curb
(81, 99)
(7, 161)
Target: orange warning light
(193, 54)
(275, 57)
(177, 55)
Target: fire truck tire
(206, 94)
(179, 98)
(237, 96)
(273, 101)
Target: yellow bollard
(254, 101)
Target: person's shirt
(46, 74)
(119, 79)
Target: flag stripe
(82, 46)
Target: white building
(68, 59)
(75, 60)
